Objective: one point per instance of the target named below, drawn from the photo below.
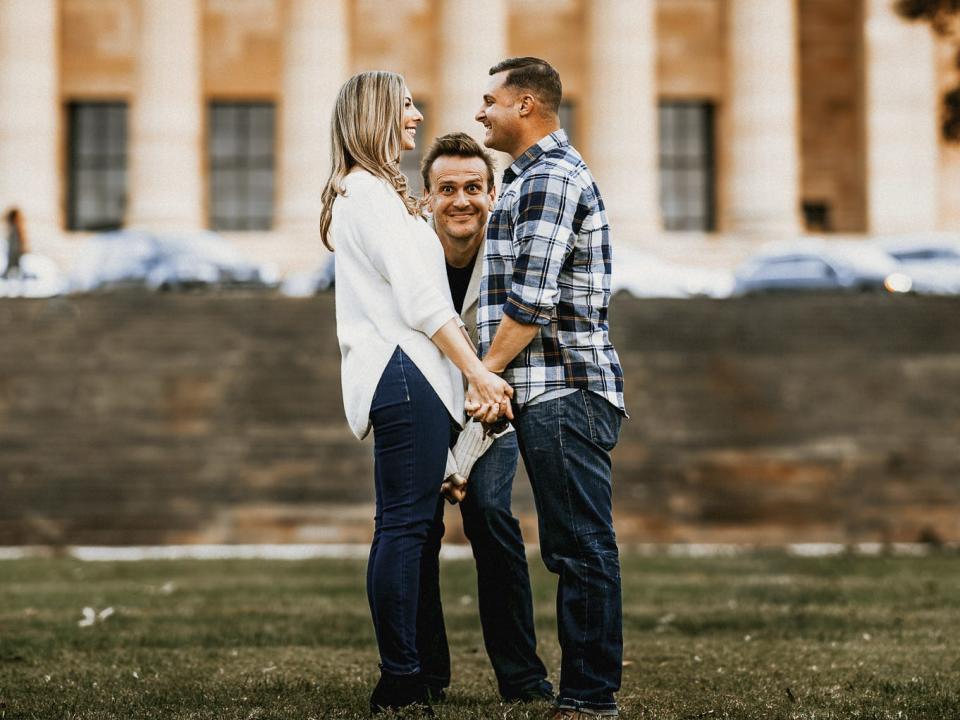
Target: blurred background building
(711, 125)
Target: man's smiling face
(499, 114)
(459, 197)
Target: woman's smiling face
(411, 118)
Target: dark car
(820, 266)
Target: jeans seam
(403, 374)
(590, 419)
(408, 482)
(582, 640)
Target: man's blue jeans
(411, 435)
(565, 444)
(503, 582)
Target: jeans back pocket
(604, 420)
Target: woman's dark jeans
(411, 429)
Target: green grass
(762, 636)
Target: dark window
(816, 216)
(241, 153)
(687, 168)
(97, 165)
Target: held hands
(488, 397)
(454, 488)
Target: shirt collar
(530, 155)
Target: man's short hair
(458, 145)
(535, 75)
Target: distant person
(16, 242)
(459, 190)
(403, 351)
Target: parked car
(812, 265)
(163, 261)
(39, 277)
(305, 284)
(644, 275)
(931, 260)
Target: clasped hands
(488, 397)
(487, 402)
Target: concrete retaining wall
(143, 419)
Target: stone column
(762, 143)
(949, 202)
(314, 67)
(621, 113)
(472, 37)
(901, 117)
(29, 113)
(166, 143)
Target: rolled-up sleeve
(544, 234)
(383, 227)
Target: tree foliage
(944, 17)
(941, 14)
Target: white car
(305, 284)
(164, 261)
(39, 277)
(644, 275)
(931, 260)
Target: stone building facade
(711, 125)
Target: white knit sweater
(391, 289)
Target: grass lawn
(759, 636)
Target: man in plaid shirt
(542, 322)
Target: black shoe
(394, 692)
(535, 693)
(435, 693)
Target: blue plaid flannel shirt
(547, 262)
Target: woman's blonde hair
(365, 130)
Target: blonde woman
(403, 352)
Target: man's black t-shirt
(459, 279)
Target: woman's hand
(488, 396)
